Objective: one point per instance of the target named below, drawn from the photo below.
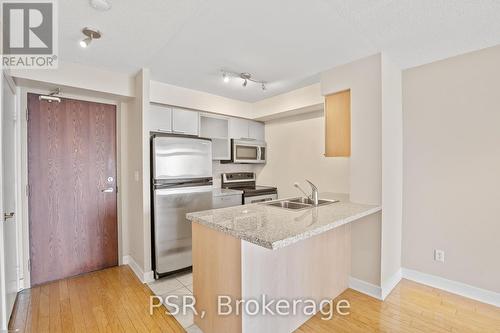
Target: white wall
(132, 179)
(297, 101)
(363, 78)
(296, 152)
(70, 75)
(164, 93)
(365, 249)
(451, 168)
(392, 171)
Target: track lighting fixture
(244, 76)
(101, 5)
(91, 35)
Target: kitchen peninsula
(248, 251)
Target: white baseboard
(390, 284)
(365, 288)
(149, 277)
(459, 288)
(144, 277)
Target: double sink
(299, 203)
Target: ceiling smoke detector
(101, 5)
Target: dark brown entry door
(72, 188)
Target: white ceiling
(284, 42)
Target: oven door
(248, 151)
(259, 198)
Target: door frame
(23, 97)
(5, 78)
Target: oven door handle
(261, 200)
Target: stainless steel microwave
(248, 151)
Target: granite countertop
(274, 227)
(222, 192)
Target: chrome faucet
(314, 195)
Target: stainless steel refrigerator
(181, 183)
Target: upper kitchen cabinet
(159, 118)
(238, 128)
(246, 129)
(256, 130)
(216, 128)
(184, 121)
(338, 124)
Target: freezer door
(172, 231)
(178, 157)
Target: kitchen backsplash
(219, 168)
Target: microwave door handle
(259, 153)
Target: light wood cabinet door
(256, 130)
(184, 121)
(338, 124)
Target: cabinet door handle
(8, 216)
(108, 190)
(178, 132)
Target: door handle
(108, 190)
(8, 216)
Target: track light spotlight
(91, 35)
(85, 42)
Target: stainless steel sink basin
(308, 201)
(288, 204)
(298, 203)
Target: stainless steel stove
(245, 181)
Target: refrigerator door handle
(183, 190)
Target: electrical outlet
(439, 255)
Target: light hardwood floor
(113, 300)
(411, 307)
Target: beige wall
(295, 152)
(452, 168)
